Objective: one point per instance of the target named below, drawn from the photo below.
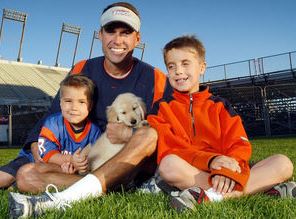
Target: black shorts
(13, 166)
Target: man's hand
(118, 133)
(226, 162)
(79, 161)
(35, 152)
(222, 184)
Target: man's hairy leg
(116, 171)
(34, 177)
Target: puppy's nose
(133, 121)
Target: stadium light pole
(142, 47)
(96, 36)
(68, 28)
(15, 16)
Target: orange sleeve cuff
(241, 179)
(49, 155)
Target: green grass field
(137, 205)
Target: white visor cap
(121, 14)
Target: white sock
(88, 186)
(214, 196)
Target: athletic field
(136, 205)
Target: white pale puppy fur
(126, 108)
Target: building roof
(28, 84)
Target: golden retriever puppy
(126, 108)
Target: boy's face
(184, 69)
(118, 42)
(74, 105)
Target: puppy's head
(127, 108)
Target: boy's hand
(226, 162)
(118, 133)
(79, 161)
(222, 184)
(35, 153)
(68, 168)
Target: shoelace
(60, 203)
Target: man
(114, 73)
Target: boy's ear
(203, 67)
(90, 105)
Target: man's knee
(24, 174)
(147, 140)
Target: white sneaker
(25, 206)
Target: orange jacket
(197, 127)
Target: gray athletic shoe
(188, 199)
(287, 189)
(156, 184)
(25, 206)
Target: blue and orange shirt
(57, 136)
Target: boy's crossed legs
(263, 176)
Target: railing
(251, 67)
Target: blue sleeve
(49, 139)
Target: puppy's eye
(134, 108)
(123, 112)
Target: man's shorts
(13, 166)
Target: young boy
(202, 146)
(63, 134)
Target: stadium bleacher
(26, 92)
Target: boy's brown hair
(79, 81)
(189, 41)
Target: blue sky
(231, 30)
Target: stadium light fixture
(15, 16)
(96, 36)
(68, 28)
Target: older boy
(202, 145)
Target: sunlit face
(184, 69)
(118, 43)
(74, 105)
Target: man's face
(118, 42)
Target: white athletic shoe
(25, 206)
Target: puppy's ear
(111, 114)
(142, 108)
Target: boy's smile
(184, 67)
(74, 105)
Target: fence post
(265, 113)
(9, 125)
(225, 78)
